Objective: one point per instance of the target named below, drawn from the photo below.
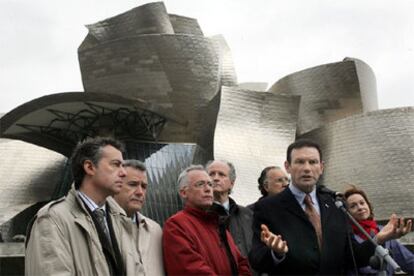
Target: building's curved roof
(151, 18)
(149, 54)
(59, 121)
(375, 151)
(185, 25)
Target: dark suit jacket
(284, 216)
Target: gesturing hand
(395, 229)
(273, 241)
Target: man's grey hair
(232, 171)
(183, 177)
(263, 178)
(135, 164)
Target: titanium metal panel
(375, 151)
(256, 86)
(29, 174)
(178, 72)
(181, 70)
(228, 72)
(185, 25)
(151, 18)
(330, 92)
(253, 131)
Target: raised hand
(273, 241)
(394, 229)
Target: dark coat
(239, 223)
(241, 219)
(284, 216)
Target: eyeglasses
(203, 184)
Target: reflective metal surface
(164, 59)
(228, 72)
(29, 174)
(330, 92)
(253, 131)
(376, 152)
(161, 70)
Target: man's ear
(266, 186)
(287, 167)
(322, 165)
(183, 193)
(89, 167)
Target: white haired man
(194, 241)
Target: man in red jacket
(195, 242)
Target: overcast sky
(269, 39)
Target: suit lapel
(292, 204)
(144, 238)
(86, 223)
(327, 208)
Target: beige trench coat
(64, 241)
(148, 238)
(150, 246)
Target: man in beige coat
(148, 233)
(81, 234)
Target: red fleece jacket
(192, 245)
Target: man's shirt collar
(300, 196)
(89, 202)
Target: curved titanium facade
(178, 72)
(376, 152)
(177, 68)
(153, 80)
(330, 92)
(146, 19)
(228, 72)
(29, 174)
(253, 131)
(185, 25)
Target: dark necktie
(100, 217)
(314, 218)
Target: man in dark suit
(300, 231)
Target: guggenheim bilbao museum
(154, 81)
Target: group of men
(97, 228)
